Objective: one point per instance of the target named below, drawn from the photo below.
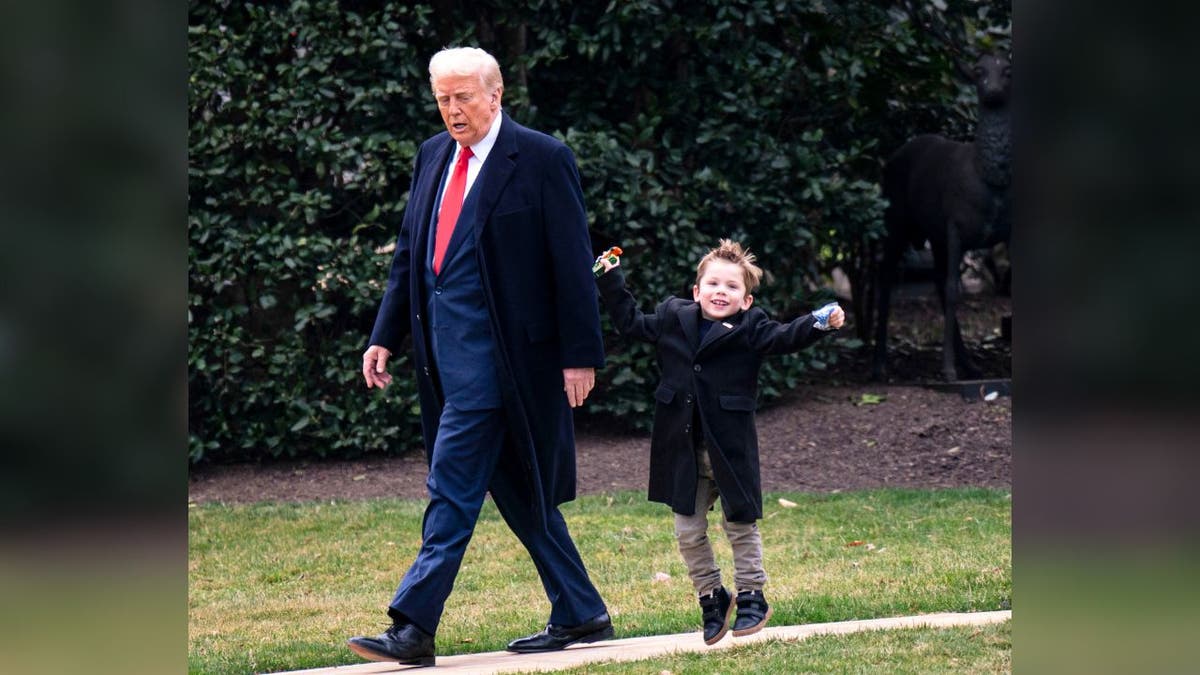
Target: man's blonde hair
(731, 251)
(466, 61)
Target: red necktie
(452, 202)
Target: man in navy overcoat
(505, 326)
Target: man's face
(467, 109)
(722, 290)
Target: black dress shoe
(403, 643)
(554, 638)
(752, 613)
(714, 611)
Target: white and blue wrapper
(822, 316)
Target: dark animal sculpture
(956, 196)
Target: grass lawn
(281, 586)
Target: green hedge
(762, 121)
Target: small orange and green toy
(612, 255)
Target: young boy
(704, 444)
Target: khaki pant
(692, 534)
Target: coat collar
(690, 317)
(497, 170)
(689, 320)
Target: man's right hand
(374, 367)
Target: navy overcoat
(535, 258)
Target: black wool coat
(718, 376)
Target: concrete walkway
(633, 649)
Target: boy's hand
(829, 317)
(607, 260)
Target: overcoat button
(696, 367)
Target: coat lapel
(689, 320)
(720, 330)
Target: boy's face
(722, 290)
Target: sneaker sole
(371, 655)
(717, 638)
(756, 627)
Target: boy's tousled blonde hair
(731, 251)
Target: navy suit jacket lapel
(430, 189)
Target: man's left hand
(578, 383)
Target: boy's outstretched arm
(773, 337)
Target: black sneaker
(714, 610)
(752, 613)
